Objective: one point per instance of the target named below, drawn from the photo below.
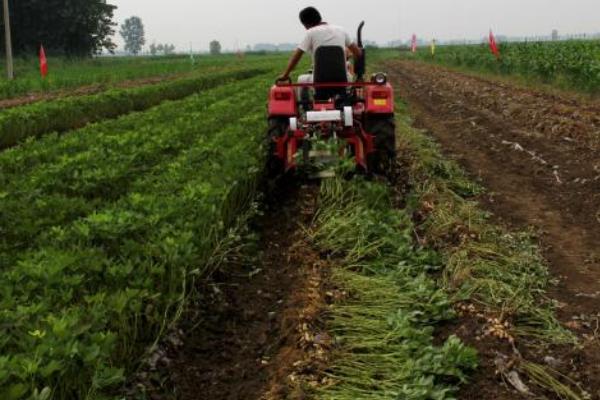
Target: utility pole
(9, 56)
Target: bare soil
(86, 90)
(538, 155)
(259, 327)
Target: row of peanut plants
(104, 229)
(20, 123)
(68, 74)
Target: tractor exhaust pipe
(360, 67)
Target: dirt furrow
(538, 156)
(250, 340)
(85, 90)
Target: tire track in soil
(538, 157)
(254, 331)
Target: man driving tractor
(328, 104)
(319, 34)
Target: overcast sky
(237, 23)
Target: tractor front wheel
(384, 129)
(277, 128)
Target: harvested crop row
(503, 271)
(18, 124)
(383, 325)
(75, 174)
(79, 309)
(499, 277)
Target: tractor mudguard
(380, 99)
(282, 102)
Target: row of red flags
(492, 42)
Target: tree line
(68, 27)
(76, 28)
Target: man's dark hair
(310, 17)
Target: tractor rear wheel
(277, 128)
(384, 130)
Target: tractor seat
(330, 67)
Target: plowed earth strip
(538, 156)
(86, 90)
(250, 339)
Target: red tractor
(359, 114)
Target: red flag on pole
(413, 46)
(494, 46)
(43, 62)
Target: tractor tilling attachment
(309, 122)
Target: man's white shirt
(324, 35)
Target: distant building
(555, 34)
(272, 47)
(265, 47)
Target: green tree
(215, 47)
(132, 32)
(169, 49)
(153, 49)
(71, 27)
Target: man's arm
(356, 51)
(296, 57)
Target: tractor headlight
(379, 78)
